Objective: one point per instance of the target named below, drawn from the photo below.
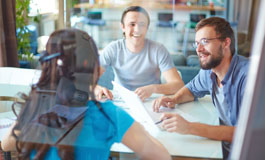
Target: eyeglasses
(204, 42)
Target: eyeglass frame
(196, 44)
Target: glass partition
(171, 24)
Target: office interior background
(172, 22)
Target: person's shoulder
(113, 47)
(156, 48)
(109, 105)
(110, 108)
(153, 43)
(240, 66)
(243, 62)
(204, 75)
(243, 58)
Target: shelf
(150, 5)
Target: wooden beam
(61, 15)
(68, 13)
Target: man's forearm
(182, 96)
(168, 88)
(221, 133)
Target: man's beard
(214, 61)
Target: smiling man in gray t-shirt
(138, 62)
(136, 70)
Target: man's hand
(173, 122)
(102, 92)
(145, 91)
(165, 101)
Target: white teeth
(136, 35)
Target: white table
(18, 76)
(10, 90)
(14, 80)
(178, 145)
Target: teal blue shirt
(98, 133)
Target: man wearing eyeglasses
(223, 76)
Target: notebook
(140, 111)
(136, 107)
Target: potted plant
(23, 33)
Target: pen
(159, 121)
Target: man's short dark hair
(135, 9)
(221, 27)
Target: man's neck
(222, 69)
(135, 48)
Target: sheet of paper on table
(143, 112)
(135, 107)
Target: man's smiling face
(135, 27)
(211, 52)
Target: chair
(5, 155)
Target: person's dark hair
(78, 56)
(135, 9)
(222, 29)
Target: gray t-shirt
(224, 114)
(133, 70)
(221, 105)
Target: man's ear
(227, 43)
(122, 27)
